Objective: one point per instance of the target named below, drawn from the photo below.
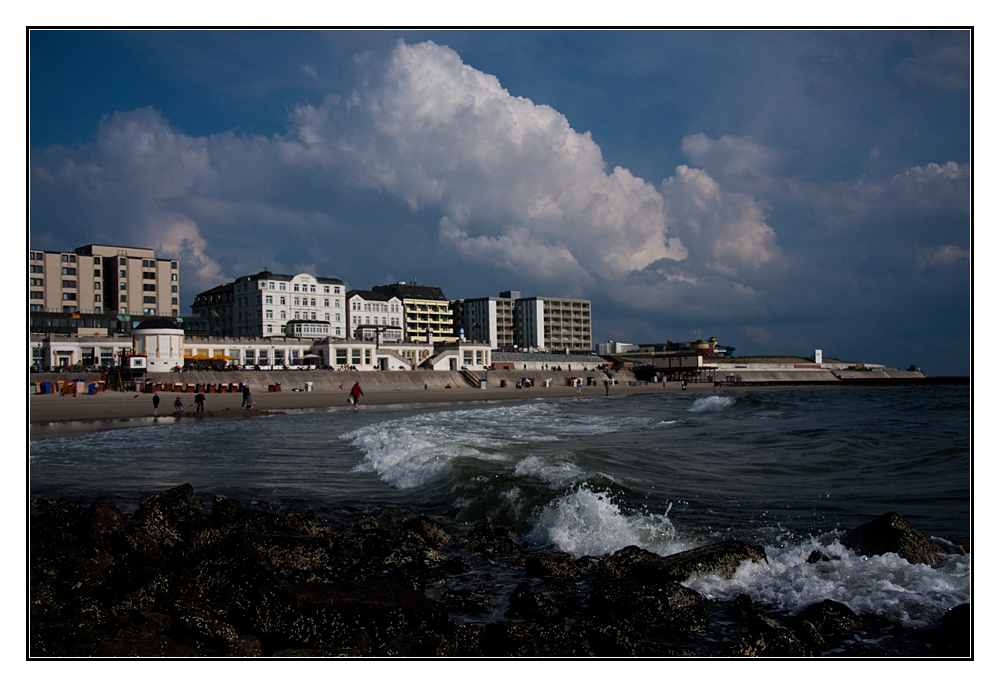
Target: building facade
(262, 304)
(427, 315)
(488, 319)
(553, 324)
(512, 322)
(375, 316)
(98, 279)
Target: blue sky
(779, 190)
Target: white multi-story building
(488, 319)
(541, 323)
(375, 316)
(553, 324)
(262, 304)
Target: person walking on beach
(247, 401)
(356, 394)
(199, 402)
(156, 402)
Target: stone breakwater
(243, 579)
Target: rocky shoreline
(173, 579)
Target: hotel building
(542, 323)
(427, 313)
(263, 304)
(96, 279)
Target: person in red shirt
(356, 394)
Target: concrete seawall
(330, 381)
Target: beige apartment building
(103, 279)
(427, 314)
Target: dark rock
(808, 634)
(955, 635)
(816, 557)
(621, 600)
(103, 520)
(613, 639)
(157, 646)
(509, 639)
(640, 605)
(327, 615)
(294, 558)
(163, 520)
(250, 519)
(682, 609)
(365, 523)
(831, 616)
(890, 533)
(624, 562)
(766, 636)
(721, 558)
(492, 540)
(456, 565)
(431, 532)
(244, 646)
(466, 600)
(557, 564)
(527, 603)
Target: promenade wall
(331, 380)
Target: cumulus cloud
(125, 188)
(725, 233)
(492, 180)
(735, 158)
(514, 181)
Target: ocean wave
(413, 451)
(588, 523)
(712, 404)
(887, 585)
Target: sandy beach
(55, 415)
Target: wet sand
(55, 415)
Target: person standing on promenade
(356, 394)
(156, 402)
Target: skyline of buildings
(130, 281)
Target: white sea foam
(887, 585)
(711, 404)
(418, 449)
(587, 523)
(558, 471)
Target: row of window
(269, 300)
(70, 258)
(376, 307)
(393, 321)
(266, 285)
(298, 315)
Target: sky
(782, 191)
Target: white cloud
(731, 157)
(725, 233)
(124, 189)
(507, 174)
(944, 257)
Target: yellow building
(427, 315)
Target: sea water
(790, 470)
